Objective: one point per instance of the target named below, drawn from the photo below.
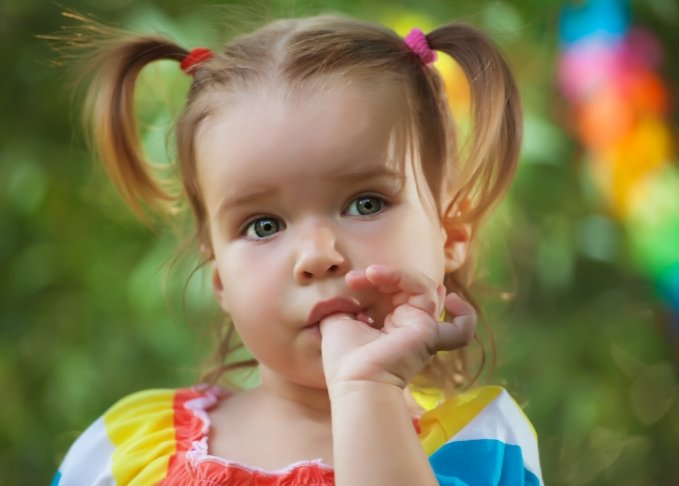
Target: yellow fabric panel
(153, 473)
(141, 427)
(427, 398)
(439, 425)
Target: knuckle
(468, 332)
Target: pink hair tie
(417, 42)
(195, 57)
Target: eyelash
(245, 228)
(382, 201)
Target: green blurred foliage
(93, 310)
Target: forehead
(330, 128)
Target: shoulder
(481, 433)
(136, 437)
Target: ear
(218, 287)
(456, 248)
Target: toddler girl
(336, 212)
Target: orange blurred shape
(604, 118)
(646, 92)
(456, 85)
(647, 147)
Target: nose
(318, 256)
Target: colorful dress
(160, 437)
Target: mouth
(338, 305)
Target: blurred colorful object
(457, 91)
(457, 88)
(608, 73)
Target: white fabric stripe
(88, 462)
(503, 419)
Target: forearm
(374, 440)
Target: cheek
(372, 243)
(412, 241)
(253, 280)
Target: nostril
(307, 275)
(333, 268)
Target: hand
(411, 334)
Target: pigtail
(111, 60)
(490, 159)
(477, 176)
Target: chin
(316, 382)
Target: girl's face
(299, 192)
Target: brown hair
(466, 181)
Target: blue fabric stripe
(481, 462)
(56, 479)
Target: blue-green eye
(365, 206)
(262, 228)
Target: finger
(440, 308)
(385, 279)
(391, 280)
(413, 288)
(457, 306)
(456, 334)
(461, 330)
(357, 280)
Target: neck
(292, 397)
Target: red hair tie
(195, 57)
(417, 42)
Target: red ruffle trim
(192, 465)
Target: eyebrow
(243, 199)
(376, 173)
(350, 177)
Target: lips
(332, 306)
(339, 305)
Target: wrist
(349, 376)
(372, 427)
(362, 389)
